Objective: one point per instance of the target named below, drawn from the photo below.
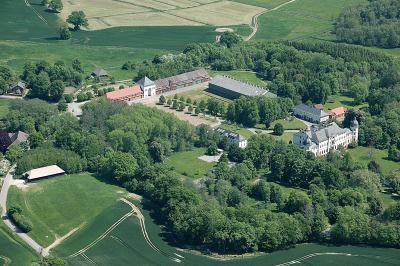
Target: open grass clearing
(57, 205)
(239, 130)
(342, 100)
(289, 123)
(366, 154)
(199, 94)
(287, 137)
(188, 164)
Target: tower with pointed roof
(148, 87)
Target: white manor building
(322, 139)
(233, 138)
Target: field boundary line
(254, 22)
(306, 257)
(36, 12)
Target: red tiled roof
(114, 95)
(319, 106)
(338, 111)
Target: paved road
(3, 203)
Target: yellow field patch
(103, 14)
(220, 13)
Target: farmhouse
(147, 86)
(99, 72)
(8, 139)
(322, 139)
(181, 81)
(18, 88)
(338, 113)
(231, 88)
(125, 95)
(43, 172)
(233, 137)
(310, 114)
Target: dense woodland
(374, 24)
(275, 195)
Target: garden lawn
(12, 250)
(291, 123)
(234, 128)
(57, 205)
(286, 137)
(199, 94)
(365, 154)
(342, 100)
(188, 164)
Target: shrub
(278, 129)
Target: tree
(45, 2)
(297, 202)
(77, 65)
(3, 86)
(68, 98)
(182, 106)
(393, 181)
(169, 102)
(62, 106)
(56, 5)
(278, 129)
(52, 261)
(64, 32)
(122, 166)
(162, 100)
(190, 109)
(197, 111)
(212, 150)
(14, 153)
(56, 90)
(175, 104)
(394, 153)
(78, 19)
(229, 39)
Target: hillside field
(57, 205)
(12, 250)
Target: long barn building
(181, 81)
(232, 89)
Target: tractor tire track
(306, 257)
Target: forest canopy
(374, 24)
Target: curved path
(254, 21)
(309, 256)
(7, 182)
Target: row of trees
(374, 24)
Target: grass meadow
(188, 164)
(12, 250)
(301, 19)
(365, 154)
(342, 100)
(57, 205)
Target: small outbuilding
(43, 172)
(18, 88)
(99, 72)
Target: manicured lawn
(364, 155)
(188, 164)
(286, 137)
(4, 107)
(199, 94)
(341, 100)
(234, 128)
(246, 76)
(290, 123)
(12, 250)
(57, 205)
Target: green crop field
(364, 155)
(188, 164)
(12, 250)
(301, 19)
(125, 245)
(57, 205)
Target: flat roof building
(231, 88)
(310, 114)
(43, 172)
